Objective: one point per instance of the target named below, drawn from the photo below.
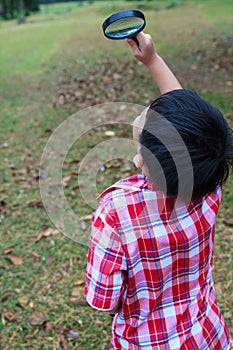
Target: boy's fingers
(134, 47)
(131, 42)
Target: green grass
(61, 8)
(65, 50)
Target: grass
(56, 54)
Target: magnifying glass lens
(124, 27)
(124, 24)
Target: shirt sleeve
(106, 265)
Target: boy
(150, 259)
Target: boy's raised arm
(147, 54)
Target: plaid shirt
(154, 255)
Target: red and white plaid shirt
(154, 255)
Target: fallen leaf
(63, 342)
(31, 304)
(49, 327)
(26, 187)
(23, 301)
(34, 204)
(8, 250)
(110, 133)
(73, 194)
(3, 200)
(108, 346)
(9, 316)
(2, 339)
(18, 290)
(78, 301)
(86, 217)
(36, 256)
(65, 180)
(15, 259)
(76, 292)
(117, 76)
(72, 334)
(22, 171)
(4, 145)
(37, 318)
(74, 162)
(48, 232)
(228, 314)
(51, 258)
(113, 164)
(79, 283)
(83, 226)
(228, 222)
(6, 295)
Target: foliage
(10, 9)
(58, 64)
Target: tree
(17, 8)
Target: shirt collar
(132, 183)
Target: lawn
(59, 63)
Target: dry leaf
(9, 316)
(2, 339)
(73, 195)
(228, 222)
(22, 171)
(48, 232)
(36, 256)
(6, 295)
(65, 180)
(79, 283)
(23, 301)
(83, 226)
(110, 133)
(8, 250)
(4, 145)
(3, 200)
(86, 217)
(26, 187)
(76, 292)
(37, 318)
(63, 342)
(78, 301)
(31, 304)
(108, 346)
(48, 327)
(34, 204)
(15, 259)
(51, 258)
(72, 334)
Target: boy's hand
(146, 52)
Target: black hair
(203, 149)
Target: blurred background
(55, 61)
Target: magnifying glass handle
(136, 41)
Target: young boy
(149, 263)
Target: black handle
(136, 41)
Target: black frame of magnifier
(120, 15)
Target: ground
(54, 65)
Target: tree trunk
(21, 16)
(3, 8)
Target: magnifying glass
(124, 24)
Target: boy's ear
(138, 161)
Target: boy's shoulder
(135, 183)
(138, 191)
